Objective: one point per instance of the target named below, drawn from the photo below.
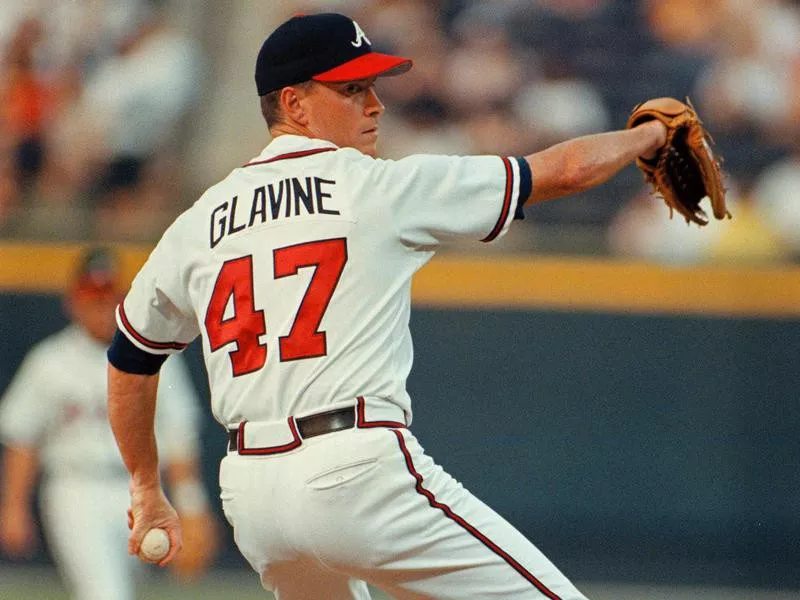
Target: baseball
(155, 544)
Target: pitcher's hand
(150, 509)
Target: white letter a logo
(360, 36)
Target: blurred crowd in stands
(94, 104)
(93, 97)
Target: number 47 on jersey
(247, 323)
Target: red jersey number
(245, 324)
(305, 340)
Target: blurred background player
(53, 419)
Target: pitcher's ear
(291, 104)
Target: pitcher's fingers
(135, 539)
(133, 547)
(175, 544)
(130, 518)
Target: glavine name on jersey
(285, 199)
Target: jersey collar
(290, 144)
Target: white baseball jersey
(296, 269)
(328, 239)
(56, 403)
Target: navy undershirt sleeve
(525, 186)
(127, 357)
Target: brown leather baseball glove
(201, 540)
(685, 170)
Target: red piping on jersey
(469, 528)
(143, 340)
(296, 441)
(298, 154)
(362, 422)
(506, 203)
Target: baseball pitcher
(295, 270)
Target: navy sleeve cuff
(127, 357)
(525, 186)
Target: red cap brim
(372, 64)
(111, 294)
(96, 285)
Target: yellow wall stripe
(49, 268)
(606, 285)
(516, 282)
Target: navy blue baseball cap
(323, 47)
(97, 273)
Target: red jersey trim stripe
(506, 202)
(143, 340)
(298, 154)
(472, 530)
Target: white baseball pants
(86, 527)
(368, 505)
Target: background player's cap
(97, 273)
(324, 47)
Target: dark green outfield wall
(627, 447)
(665, 448)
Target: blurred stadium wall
(639, 423)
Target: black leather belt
(307, 427)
